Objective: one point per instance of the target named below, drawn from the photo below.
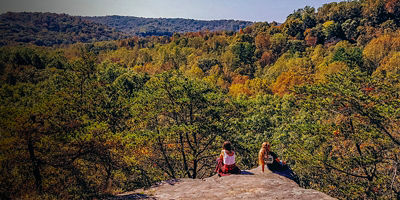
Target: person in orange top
(269, 158)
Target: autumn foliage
(90, 120)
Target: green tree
(186, 119)
(352, 133)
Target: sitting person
(265, 156)
(226, 162)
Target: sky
(249, 10)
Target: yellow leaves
(327, 24)
(150, 68)
(248, 87)
(289, 71)
(144, 151)
(332, 187)
(228, 58)
(218, 42)
(318, 55)
(222, 83)
(6, 147)
(285, 63)
(215, 70)
(238, 89)
(377, 49)
(323, 70)
(396, 42)
(287, 80)
(195, 72)
(380, 47)
(238, 86)
(365, 145)
(121, 56)
(216, 77)
(390, 65)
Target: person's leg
(219, 167)
(236, 170)
(285, 171)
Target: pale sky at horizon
(249, 10)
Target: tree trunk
(171, 169)
(185, 165)
(35, 164)
(195, 161)
(108, 185)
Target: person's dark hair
(227, 146)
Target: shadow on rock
(243, 172)
(131, 196)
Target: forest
(139, 26)
(48, 29)
(90, 120)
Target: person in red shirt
(227, 161)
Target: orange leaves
(368, 89)
(311, 40)
(239, 79)
(262, 41)
(248, 87)
(336, 132)
(171, 145)
(266, 59)
(284, 82)
(287, 80)
(238, 86)
(392, 6)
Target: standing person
(227, 160)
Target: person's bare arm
(261, 161)
(281, 161)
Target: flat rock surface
(252, 185)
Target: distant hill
(46, 29)
(166, 26)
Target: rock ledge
(253, 185)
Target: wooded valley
(86, 120)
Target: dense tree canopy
(90, 120)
